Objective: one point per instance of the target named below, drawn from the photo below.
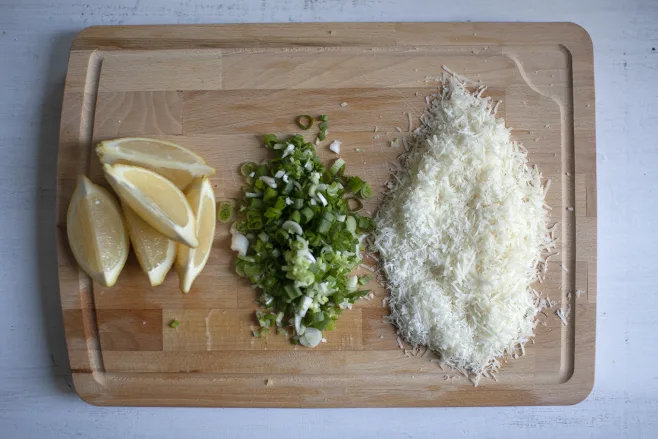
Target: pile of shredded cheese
(462, 235)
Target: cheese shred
(461, 233)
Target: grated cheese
(461, 234)
(561, 314)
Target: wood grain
(215, 90)
(138, 113)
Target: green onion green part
(354, 204)
(365, 191)
(225, 212)
(365, 279)
(354, 184)
(305, 121)
(247, 168)
(174, 323)
(337, 166)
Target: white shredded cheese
(562, 316)
(461, 235)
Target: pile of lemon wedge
(166, 209)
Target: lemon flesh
(97, 232)
(172, 161)
(155, 252)
(191, 261)
(156, 200)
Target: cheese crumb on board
(462, 234)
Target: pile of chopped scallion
(298, 238)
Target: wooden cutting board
(217, 90)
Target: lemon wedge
(155, 252)
(156, 200)
(178, 164)
(97, 232)
(190, 261)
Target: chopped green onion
(174, 324)
(241, 226)
(365, 279)
(352, 283)
(225, 212)
(329, 217)
(350, 224)
(301, 241)
(270, 140)
(292, 291)
(324, 226)
(366, 191)
(305, 121)
(354, 184)
(292, 227)
(270, 193)
(248, 168)
(323, 117)
(366, 224)
(308, 214)
(296, 216)
(297, 203)
(336, 167)
(288, 188)
(354, 204)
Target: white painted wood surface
(35, 399)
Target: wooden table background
(33, 366)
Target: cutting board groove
(216, 89)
